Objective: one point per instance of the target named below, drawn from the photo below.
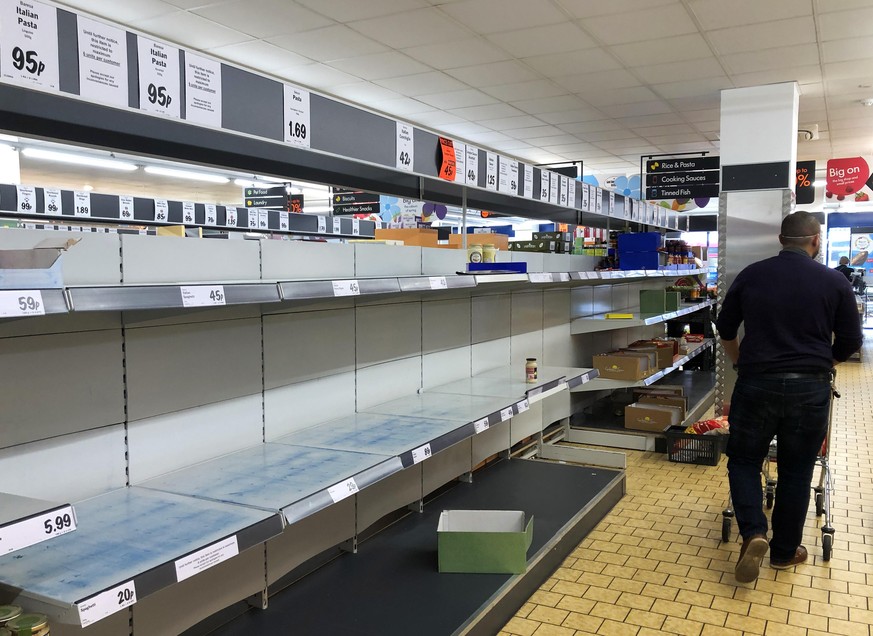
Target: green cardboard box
(672, 300)
(484, 541)
(653, 301)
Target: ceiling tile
(673, 49)
(533, 132)
(412, 28)
(846, 24)
(422, 83)
(525, 90)
(860, 70)
(403, 106)
(799, 74)
(553, 140)
(261, 56)
(638, 26)
(708, 114)
(589, 9)
(601, 81)
(573, 149)
(766, 35)
(845, 50)
(691, 88)
(550, 104)
(554, 38)
(126, 12)
(697, 102)
(572, 116)
(493, 73)
(587, 127)
(512, 145)
(489, 137)
(465, 52)
(660, 131)
(436, 118)
(812, 89)
(675, 71)
(364, 92)
(558, 64)
(190, 30)
(665, 119)
(785, 57)
(489, 111)
(714, 14)
(464, 129)
(829, 6)
(618, 96)
(677, 139)
(264, 18)
(380, 65)
(350, 10)
(316, 76)
(622, 145)
(494, 16)
(331, 43)
(457, 99)
(608, 135)
(505, 124)
(708, 126)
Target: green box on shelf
(672, 300)
(653, 301)
(484, 541)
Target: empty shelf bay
(460, 408)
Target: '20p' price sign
(297, 117)
(106, 603)
(21, 303)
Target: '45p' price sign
(297, 116)
(29, 48)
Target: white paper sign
(565, 186)
(263, 219)
(40, 527)
(438, 282)
(611, 203)
(337, 225)
(544, 185)
(26, 199)
(522, 406)
(211, 555)
(125, 208)
(472, 174)
(106, 603)
(211, 214)
(297, 116)
(528, 181)
(554, 188)
(586, 197)
(29, 48)
(162, 210)
(252, 219)
(540, 277)
(513, 177)
(283, 223)
(502, 174)
(188, 212)
(420, 454)
(343, 490)
(202, 90)
(346, 288)
(490, 170)
(506, 414)
(52, 203)
(404, 151)
(598, 199)
(102, 62)
(460, 160)
(230, 215)
(356, 227)
(159, 77)
(203, 296)
(21, 303)
(571, 192)
(82, 203)
(480, 426)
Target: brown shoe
(799, 557)
(751, 555)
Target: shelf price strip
(522, 406)
(540, 277)
(506, 414)
(438, 282)
(346, 288)
(106, 603)
(203, 296)
(21, 303)
(480, 426)
(37, 529)
(342, 490)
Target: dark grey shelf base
(392, 586)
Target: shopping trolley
(823, 490)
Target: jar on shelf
(9, 612)
(530, 370)
(29, 625)
(489, 253)
(474, 254)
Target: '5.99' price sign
(36, 529)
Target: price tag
(297, 116)
(540, 277)
(528, 181)
(211, 214)
(506, 414)
(36, 529)
(203, 559)
(188, 212)
(52, 201)
(565, 187)
(586, 197)
(346, 288)
(343, 490)
(480, 426)
(421, 453)
(106, 603)
(82, 201)
(162, 210)
(597, 193)
(159, 73)
(30, 43)
(460, 160)
(490, 170)
(438, 282)
(593, 275)
(471, 176)
(404, 149)
(252, 219)
(263, 219)
(522, 406)
(125, 208)
(611, 203)
(283, 222)
(337, 225)
(571, 192)
(586, 379)
(202, 295)
(554, 181)
(26, 199)
(564, 277)
(230, 219)
(356, 227)
(544, 185)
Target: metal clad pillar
(758, 154)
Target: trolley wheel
(769, 498)
(725, 529)
(827, 546)
(819, 504)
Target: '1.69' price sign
(297, 116)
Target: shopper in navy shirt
(800, 319)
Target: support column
(758, 156)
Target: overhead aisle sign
(297, 117)
(682, 178)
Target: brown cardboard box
(410, 236)
(664, 351)
(681, 402)
(655, 418)
(621, 366)
(660, 389)
(500, 241)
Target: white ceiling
(602, 81)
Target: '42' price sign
(21, 303)
(405, 150)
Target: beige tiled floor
(656, 563)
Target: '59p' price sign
(29, 48)
(297, 116)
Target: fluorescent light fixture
(267, 179)
(81, 160)
(186, 174)
(819, 183)
(243, 183)
(8, 138)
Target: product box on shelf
(659, 301)
(619, 365)
(640, 260)
(563, 237)
(654, 418)
(533, 246)
(498, 240)
(660, 389)
(639, 242)
(483, 541)
(663, 351)
(678, 401)
(39, 267)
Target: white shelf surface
(458, 408)
(599, 322)
(503, 382)
(25, 521)
(605, 384)
(123, 535)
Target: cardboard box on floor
(484, 541)
(653, 418)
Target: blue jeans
(795, 410)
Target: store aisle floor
(656, 563)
